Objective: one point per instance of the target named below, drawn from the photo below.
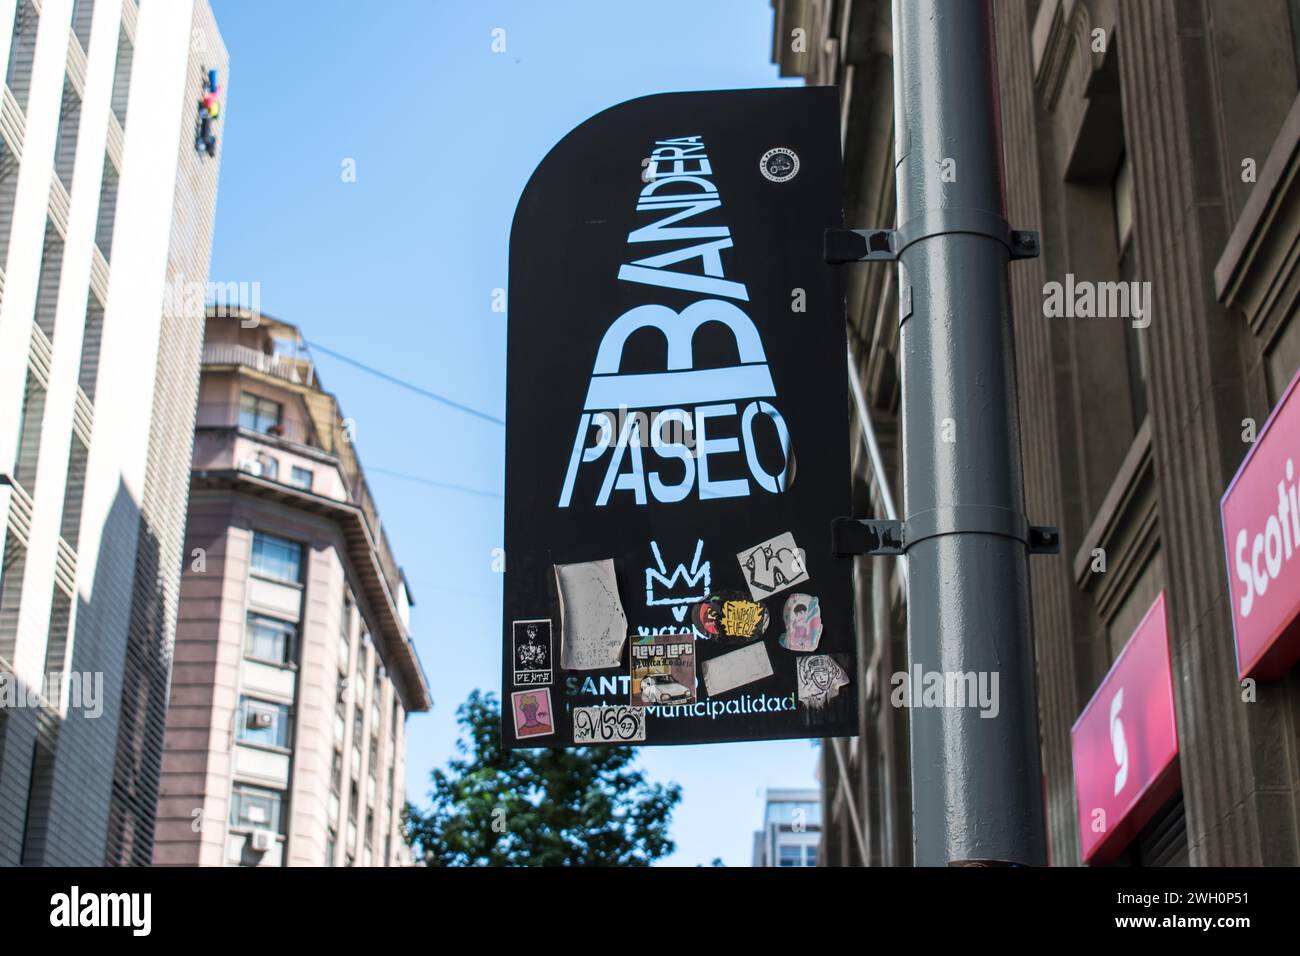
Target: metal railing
(229, 353)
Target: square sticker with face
(532, 710)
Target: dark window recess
(83, 12)
(37, 820)
(8, 194)
(122, 78)
(65, 149)
(1293, 8)
(1163, 841)
(18, 73)
(47, 288)
(107, 210)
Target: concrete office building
(1154, 142)
(791, 828)
(106, 206)
(294, 667)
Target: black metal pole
(976, 777)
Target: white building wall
(158, 132)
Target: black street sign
(677, 430)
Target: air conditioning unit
(261, 719)
(261, 841)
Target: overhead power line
(434, 483)
(316, 346)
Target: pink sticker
(803, 623)
(532, 713)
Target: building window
(345, 632)
(277, 558)
(8, 195)
(269, 639)
(254, 808)
(22, 49)
(264, 723)
(88, 373)
(65, 144)
(122, 78)
(1122, 193)
(47, 288)
(301, 478)
(331, 839)
(265, 466)
(259, 414)
(83, 12)
(789, 854)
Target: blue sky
(397, 271)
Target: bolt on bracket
(840, 246)
(855, 536)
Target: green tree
(583, 806)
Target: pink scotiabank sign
(1261, 531)
(1125, 743)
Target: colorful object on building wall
(205, 139)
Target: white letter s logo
(1117, 742)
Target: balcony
(295, 370)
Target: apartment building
(106, 205)
(294, 667)
(1154, 142)
(791, 828)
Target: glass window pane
(269, 639)
(257, 413)
(263, 722)
(277, 558)
(255, 808)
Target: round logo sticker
(779, 165)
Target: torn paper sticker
(773, 566)
(803, 623)
(532, 652)
(730, 615)
(532, 709)
(736, 668)
(663, 669)
(820, 678)
(593, 626)
(608, 725)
